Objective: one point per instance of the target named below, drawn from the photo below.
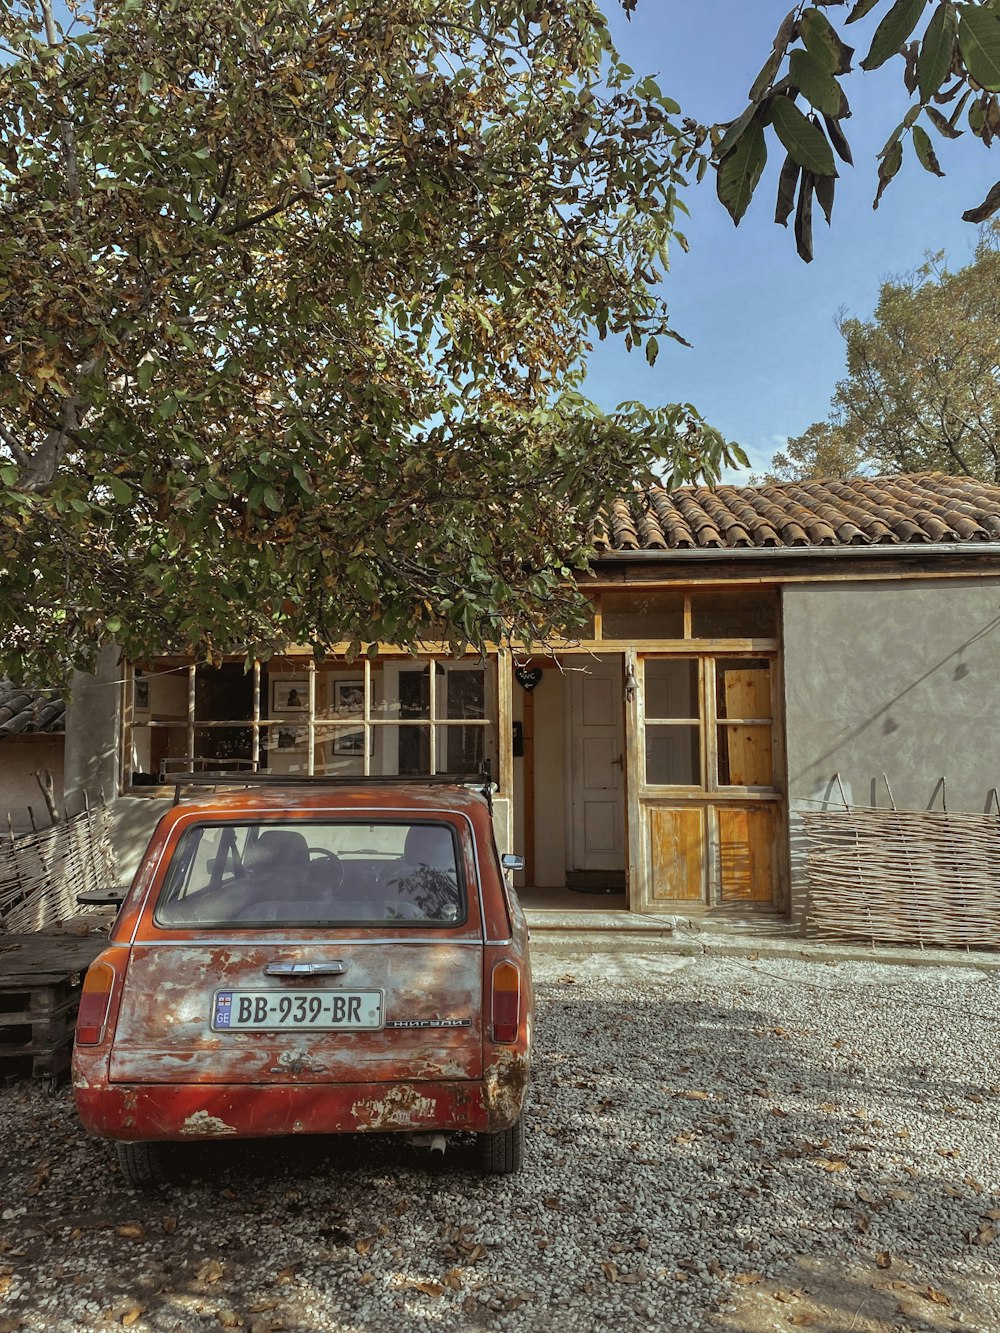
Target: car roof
(246, 802)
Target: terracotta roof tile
(906, 510)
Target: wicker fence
(926, 878)
(42, 872)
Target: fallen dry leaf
(883, 1259)
(610, 1270)
(802, 1320)
(948, 1152)
(133, 1315)
(131, 1230)
(746, 1279)
(169, 1225)
(287, 1274)
(938, 1297)
(364, 1246)
(568, 979)
(229, 1319)
(210, 1271)
(428, 1288)
(694, 1096)
(787, 1297)
(986, 1234)
(365, 1278)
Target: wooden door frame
(640, 798)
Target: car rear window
(314, 873)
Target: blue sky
(767, 353)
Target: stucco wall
(20, 758)
(894, 678)
(92, 732)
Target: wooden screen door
(597, 771)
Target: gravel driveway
(713, 1144)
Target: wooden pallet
(40, 980)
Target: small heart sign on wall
(528, 677)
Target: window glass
(465, 693)
(745, 756)
(223, 693)
(311, 873)
(642, 614)
(673, 756)
(739, 614)
(743, 688)
(671, 687)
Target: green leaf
(818, 85)
(887, 168)
(145, 375)
(942, 125)
(823, 43)
(979, 43)
(740, 170)
(925, 151)
(862, 8)
(839, 140)
(893, 31)
(652, 350)
(271, 499)
(146, 81)
(802, 138)
(113, 624)
(121, 490)
(803, 218)
(937, 49)
(768, 70)
(989, 206)
(787, 182)
(734, 132)
(826, 187)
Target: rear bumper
(149, 1112)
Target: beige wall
(550, 782)
(20, 756)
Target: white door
(597, 765)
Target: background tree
(951, 71)
(296, 298)
(922, 391)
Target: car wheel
(143, 1164)
(502, 1153)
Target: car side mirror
(101, 898)
(511, 862)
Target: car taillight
(95, 1002)
(506, 1002)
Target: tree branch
(21, 457)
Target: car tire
(502, 1152)
(143, 1164)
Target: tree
(951, 55)
(296, 299)
(922, 391)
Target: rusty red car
(312, 959)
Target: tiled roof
(866, 511)
(23, 709)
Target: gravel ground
(713, 1144)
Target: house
(754, 653)
(31, 741)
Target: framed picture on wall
(350, 742)
(290, 695)
(287, 740)
(349, 698)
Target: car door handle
(335, 968)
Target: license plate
(274, 1011)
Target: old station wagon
(311, 959)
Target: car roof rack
(228, 778)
